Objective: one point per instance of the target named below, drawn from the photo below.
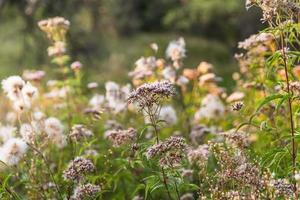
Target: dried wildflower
(150, 94)
(27, 132)
(199, 155)
(86, 191)
(54, 130)
(12, 86)
(78, 132)
(237, 106)
(120, 137)
(78, 168)
(12, 151)
(29, 92)
(168, 114)
(211, 108)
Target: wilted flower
(78, 168)
(79, 132)
(150, 94)
(120, 137)
(12, 151)
(86, 191)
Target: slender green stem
(154, 124)
(294, 150)
(49, 170)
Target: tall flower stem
(294, 150)
(154, 124)
(48, 167)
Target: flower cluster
(78, 168)
(150, 94)
(85, 191)
(120, 137)
(170, 151)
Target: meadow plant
(171, 133)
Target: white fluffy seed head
(13, 151)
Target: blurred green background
(108, 36)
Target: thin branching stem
(294, 150)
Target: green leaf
(269, 99)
